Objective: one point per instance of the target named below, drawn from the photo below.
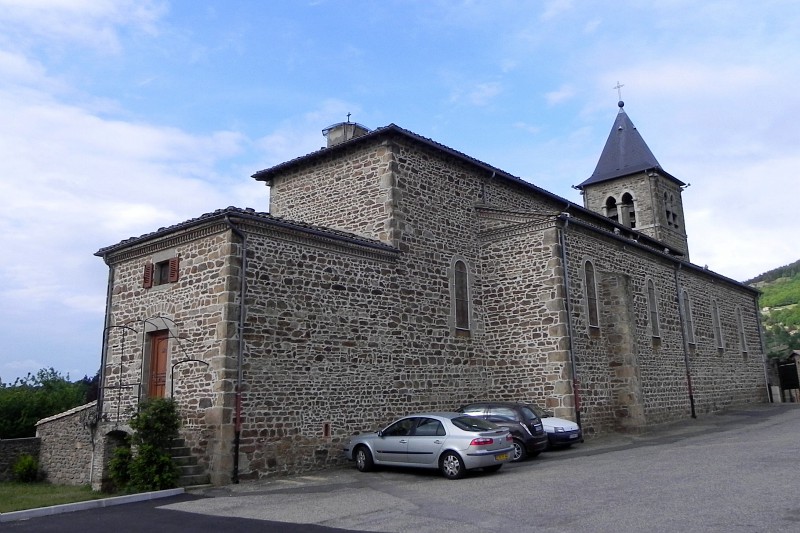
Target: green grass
(21, 496)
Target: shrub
(156, 423)
(119, 468)
(26, 469)
(148, 465)
(153, 469)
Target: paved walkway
(345, 498)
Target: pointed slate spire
(625, 152)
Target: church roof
(625, 153)
(252, 215)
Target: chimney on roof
(344, 131)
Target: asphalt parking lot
(732, 472)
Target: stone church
(394, 274)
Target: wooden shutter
(147, 280)
(174, 271)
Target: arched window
(742, 337)
(652, 307)
(688, 319)
(591, 294)
(611, 209)
(461, 295)
(717, 325)
(627, 211)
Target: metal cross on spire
(619, 87)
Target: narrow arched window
(591, 294)
(742, 337)
(688, 319)
(652, 306)
(611, 209)
(461, 294)
(716, 325)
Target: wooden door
(158, 364)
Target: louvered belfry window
(161, 273)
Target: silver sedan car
(451, 442)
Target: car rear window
(470, 423)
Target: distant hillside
(780, 308)
(776, 273)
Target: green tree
(34, 397)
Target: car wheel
(491, 469)
(451, 465)
(364, 462)
(520, 453)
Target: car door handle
(403, 441)
(437, 441)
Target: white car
(451, 442)
(561, 433)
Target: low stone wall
(65, 455)
(11, 450)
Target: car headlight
(559, 429)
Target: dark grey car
(525, 426)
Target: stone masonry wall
(322, 352)
(341, 337)
(11, 450)
(526, 332)
(720, 377)
(200, 315)
(67, 446)
(625, 372)
(349, 193)
(351, 342)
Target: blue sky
(120, 117)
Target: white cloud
(73, 180)
(554, 8)
(92, 23)
(477, 94)
(564, 93)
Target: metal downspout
(685, 341)
(571, 356)
(240, 354)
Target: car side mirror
(380, 433)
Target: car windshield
(470, 423)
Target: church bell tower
(630, 187)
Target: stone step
(191, 470)
(191, 481)
(187, 460)
(190, 473)
(182, 451)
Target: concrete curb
(89, 504)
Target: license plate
(501, 457)
(574, 436)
